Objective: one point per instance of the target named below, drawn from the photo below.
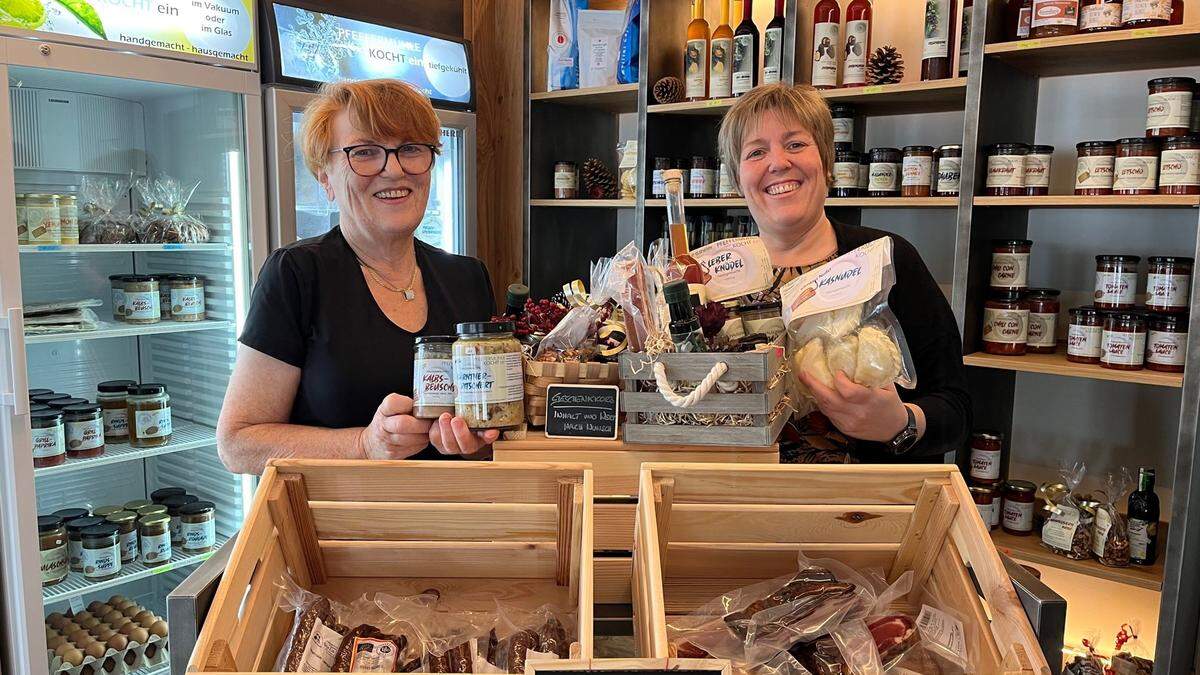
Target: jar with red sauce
(1145, 13)
(917, 171)
(1099, 15)
(1179, 168)
(1085, 335)
(1017, 518)
(1094, 167)
(983, 496)
(1010, 264)
(1044, 309)
(1136, 169)
(1123, 345)
(1169, 106)
(1166, 344)
(1116, 281)
(1037, 170)
(48, 436)
(1052, 18)
(986, 449)
(1005, 323)
(1006, 169)
(1168, 284)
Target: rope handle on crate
(668, 390)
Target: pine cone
(598, 181)
(886, 66)
(668, 90)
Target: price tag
(76, 603)
(1145, 32)
(716, 102)
(172, 247)
(1029, 44)
(49, 247)
(873, 89)
(582, 411)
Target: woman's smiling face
(781, 175)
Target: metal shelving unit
(184, 436)
(75, 584)
(111, 330)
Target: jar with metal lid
(1084, 335)
(949, 171)
(160, 495)
(725, 187)
(986, 448)
(174, 503)
(47, 399)
(154, 536)
(136, 504)
(101, 553)
(845, 173)
(52, 545)
(489, 379)
(75, 528)
(187, 297)
(433, 376)
(84, 430)
(702, 182)
(1145, 13)
(843, 125)
(1123, 345)
(22, 223)
(917, 171)
(111, 396)
(71, 514)
(198, 526)
(106, 510)
(127, 534)
(884, 176)
(1037, 170)
(1136, 170)
(1010, 264)
(1017, 518)
(142, 299)
(1052, 18)
(148, 408)
(117, 284)
(984, 498)
(68, 220)
(1179, 169)
(61, 403)
(49, 446)
(1116, 281)
(1044, 309)
(151, 510)
(1094, 167)
(1168, 284)
(30, 393)
(1006, 169)
(1169, 106)
(566, 180)
(1099, 15)
(658, 186)
(1005, 323)
(42, 219)
(1166, 344)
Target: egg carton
(136, 656)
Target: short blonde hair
(799, 104)
(383, 108)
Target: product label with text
(1167, 291)
(433, 382)
(1006, 326)
(87, 435)
(917, 171)
(1136, 173)
(1124, 349)
(772, 55)
(1103, 15)
(825, 54)
(1179, 168)
(152, 423)
(743, 64)
(695, 75)
(198, 535)
(101, 562)
(1116, 288)
(48, 442)
(854, 70)
(1037, 171)
(720, 84)
(1168, 109)
(949, 175)
(1094, 172)
(1041, 330)
(488, 378)
(1055, 13)
(187, 301)
(156, 548)
(1006, 171)
(937, 29)
(1010, 270)
(884, 177)
(1084, 341)
(1166, 349)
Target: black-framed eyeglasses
(369, 159)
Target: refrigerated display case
(76, 107)
(303, 48)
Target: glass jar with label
(187, 297)
(135, 504)
(151, 510)
(917, 171)
(148, 410)
(22, 223)
(843, 125)
(1169, 106)
(983, 496)
(142, 299)
(1006, 169)
(1052, 18)
(702, 182)
(1123, 344)
(68, 220)
(1099, 15)
(949, 171)
(154, 535)
(198, 526)
(164, 293)
(1043, 320)
(1037, 170)
(1010, 264)
(658, 186)
(884, 173)
(116, 283)
(433, 376)
(488, 375)
(127, 534)
(1005, 323)
(1017, 518)
(48, 436)
(174, 503)
(986, 448)
(1136, 169)
(1094, 167)
(42, 219)
(725, 187)
(75, 528)
(1179, 168)
(111, 397)
(61, 403)
(1116, 281)
(1166, 344)
(845, 173)
(52, 545)
(101, 553)
(1145, 13)
(84, 430)
(1168, 284)
(1084, 334)
(566, 180)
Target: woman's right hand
(394, 433)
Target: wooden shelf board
(618, 98)
(865, 202)
(1083, 202)
(898, 99)
(1030, 550)
(586, 203)
(716, 106)
(734, 203)
(1057, 364)
(1138, 49)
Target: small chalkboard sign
(582, 411)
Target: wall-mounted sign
(213, 28)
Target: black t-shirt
(312, 309)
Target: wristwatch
(907, 438)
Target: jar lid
(100, 531)
(155, 519)
(1020, 486)
(46, 415)
(1041, 149)
(675, 291)
(61, 403)
(1172, 142)
(1086, 310)
(45, 398)
(841, 108)
(988, 435)
(1095, 145)
(71, 514)
(1010, 148)
(49, 523)
(564, 162)
(1116, 258)
(115, 386)
(38, 392)
(847, 154)
(117, 277)
(151, 510)
(893, 151)
(1045, 292)
(1007, 295)
(1012, 242)
(196, 507)
(1170, 322)
(435, 339)
(980, 490)
(146, 389)
(918, 148)
(121, 517)
(137, 504)
(516, 292)
(162, 493)
(82, 408)
(176, 501)
(1137, 140)
(141, 278)
(484, 328)
(38, 407)
(1172, 82)
(950, 147)
(105, 511)
(1169, 260)
(185, 277)
(79, 524)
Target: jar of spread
(142, 299)
(566, 180)
(1145, 13)
(68, 220)
(949, 171)
(725, 187)
(84, 430)
(1099, 15)
(702, 183)
(1054, 17)
(187, 297)
(1037, 170)
(49, 446)
(843, 125)
(1116, 281)
(160, 495)
(127, 534)
(1136, 170)
(111, 397)
(982, 495)
(148, 407)
(106, 510)
(1094, 168)
(1005, 323)
(1017, 518)
(1169, 106)
(1043, 320)
(658, 186)
(845, 173)
(42, 219)
(917, 171)
(174, 503)
(75, 528)
(154, 535)
(136, 504)
(1084, 335)
(22, 222)
(1179, 169)
(489, 380)
(433, 376)
(1010, 264)
(1168, 284)
(48, 398)
(1123, 345)
(985, 457)
(152, 510)
(884, 180)
(101, 552)
(116, 284)
(198, 527)
(1166, 346)
(52, 544)
(1006, 169)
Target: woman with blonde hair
(778, 142)
(325, 365)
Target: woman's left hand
(451, 436)
(865, 413)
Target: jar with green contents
(127, 534)
(488, 375)
(75, 528)
(198, 526)
(101, 552)
(154, 533)
(148, 409)
(174, 503)
(52, 544)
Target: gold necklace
(408, 292)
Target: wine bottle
(514, 300)
(720, 84)
(939, 39)
(964, 38)
(826, 20)
(773, 47)
(685, 327)
(695, 56)
(1143, 520)
(858, 43)
(745, 51)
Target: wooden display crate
(710, 666)
(540, 374)
(520, 533)
(705, 529)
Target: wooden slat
(431, 521)
(686, 595)
(933, 538)
(654, 434)
(731, 560)
(616, 472)
(614, 526)
(612, 579)
(1057, 364)
(648, 566)
(583, 577)
(664, 493)
(277, 631)
(733, 404)
(219, 658)
(1099, 201)
(289, 511)
(460, 594)
(713, 666)
(450, 559)
(800, 483)
(792, 523)
(695, 367)
(921, 532)
(952, 585)
(563, 538)
(260, 606)
(537, 441)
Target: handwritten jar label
(128, 543)
(198, 535)
(152, 423)
(1167, 291)
(1139, 10)
(187, 301)
(1018, 516)
(116, 423)
(845, 174)
(156, 547)
(101, 562)
(1007, 326)
(949, 175)
(918, 170)
(1041, 330)
(488, 378)
(54, 564)
(1116, 288)
(1037, 171)
(1059, 530)
(1103, 15)
(1084, 341)
(433, 381)
(884, 177)
(86, 435)
(48, 442)
(142, 305)
(1136, 173)
(1006, 171)
(1166, 349)
(985, 464)
(1095, 173)
(1123, 349)
(1168, 109)
(843, 130)
(1010, 270)
(1179, 168)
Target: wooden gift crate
(709, 666)
(475, 531)
(540, 374)
(760, 368)
(706, 529)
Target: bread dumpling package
(838, 320)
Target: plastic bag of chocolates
(1110, 538)
(164, 217)
(104, 213)
(1068, 529)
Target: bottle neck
(725, 12)
(778, 9)
(697, 9)
(747, 10)
(1145, 482)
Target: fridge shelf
(184, 436)
(119, 248)
(112, 330)
(75, 584)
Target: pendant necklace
(408, 292)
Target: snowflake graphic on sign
(320, 44)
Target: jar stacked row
(97, 542)
(914, 171)
(704, 177)
(47, 219)
(1052, 18)
(478, 376)
(143, 299)
(65, 427)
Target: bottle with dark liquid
(937, 55)
(745, 51)
(685, 327)
(1143, 520)
(773, 47)
(514, 300)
